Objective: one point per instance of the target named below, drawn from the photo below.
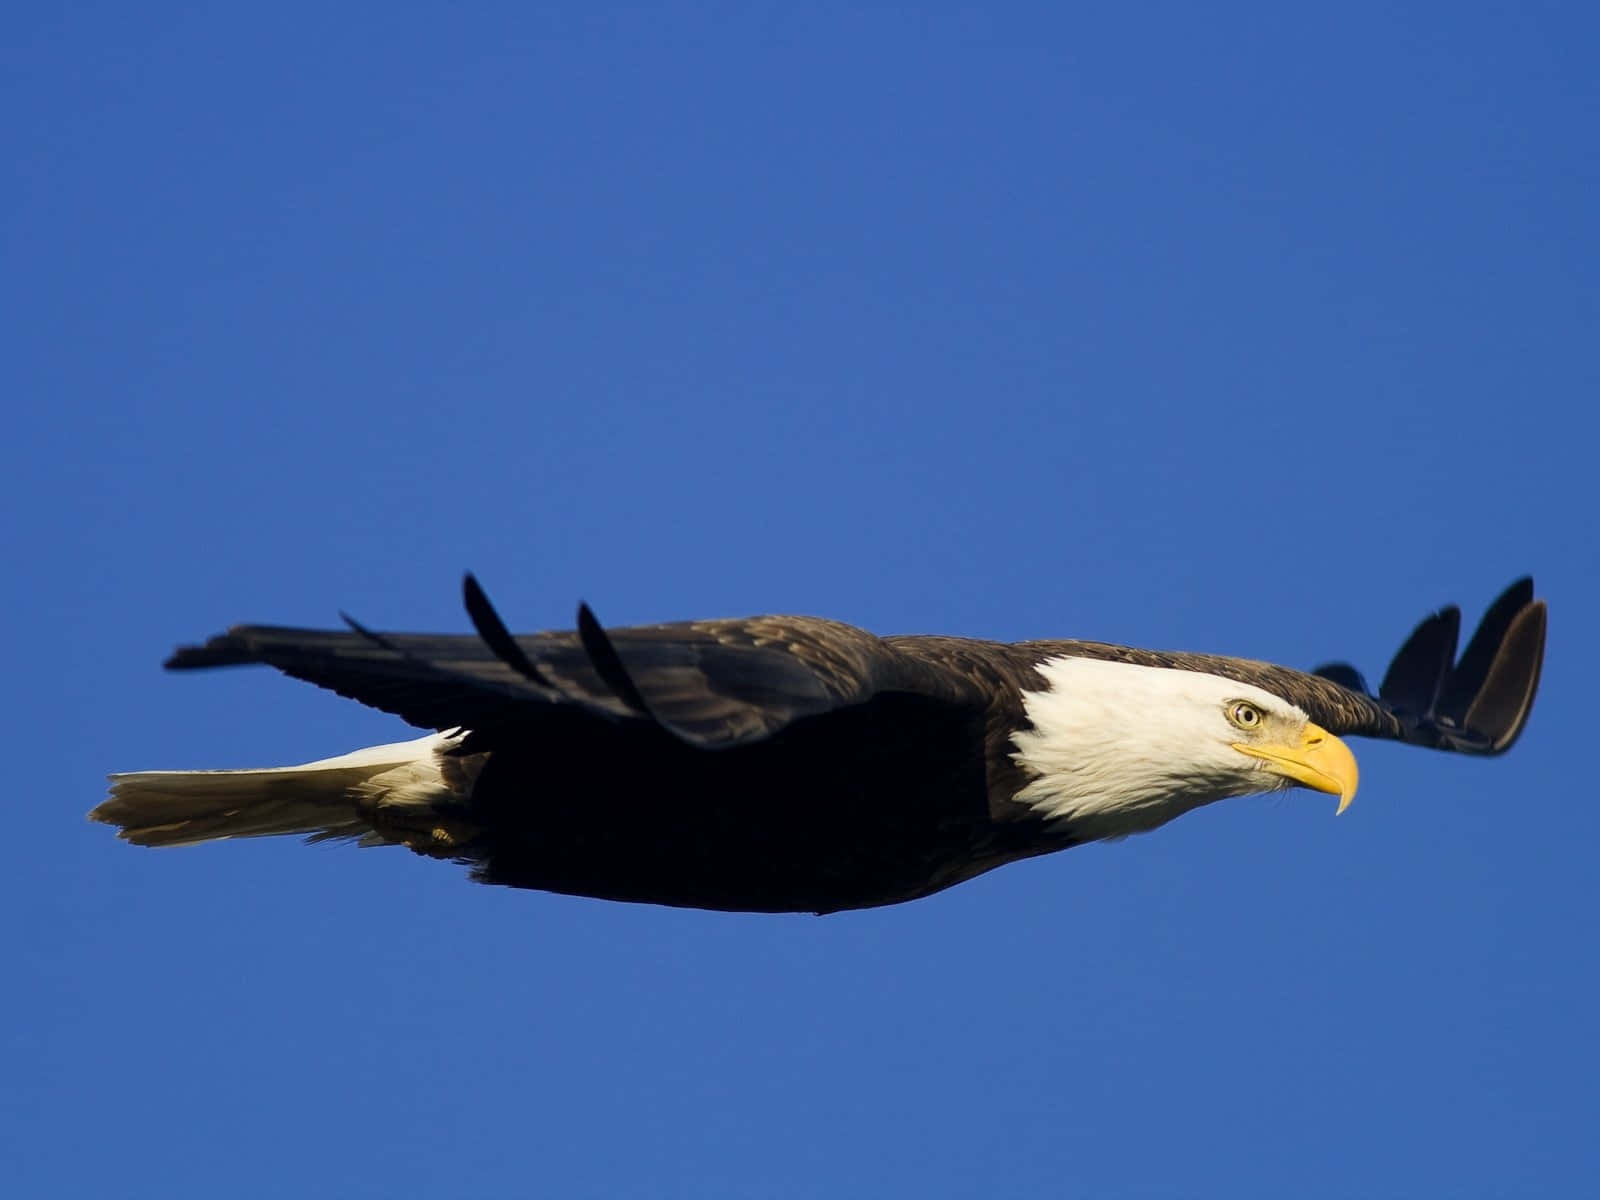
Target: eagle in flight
(793, 764)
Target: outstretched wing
(717, 684)
(1477, 704)
(712, 684)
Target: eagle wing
(713, 684)
(1477, 704)
(717, 684)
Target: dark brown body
(882, 803)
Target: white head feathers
(1117, 748)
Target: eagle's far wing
(712, 684)
(1478, 704)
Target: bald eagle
(792, 764)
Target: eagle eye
(1244, 715)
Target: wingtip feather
(1504, 702)
(494, 633)
(607, 663)
(1420, 670)
(230, 649)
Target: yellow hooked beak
(1320, 761)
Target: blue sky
(1234, 329)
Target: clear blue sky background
(1215, 327)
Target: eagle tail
(382, 794)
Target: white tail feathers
(379, 794)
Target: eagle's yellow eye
(1244, 714)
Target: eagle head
(1115, 748)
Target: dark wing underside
(712, 684)
(1475, 705)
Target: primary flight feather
(783, 764)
